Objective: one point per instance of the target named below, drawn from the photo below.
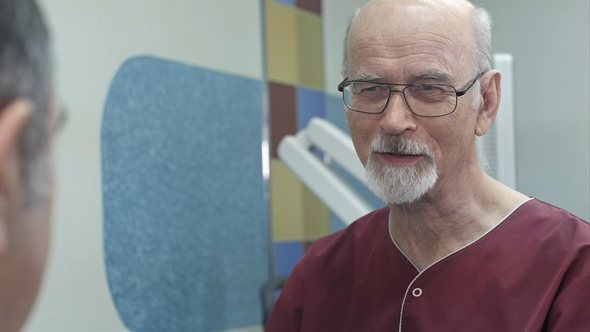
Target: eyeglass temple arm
(341, 85)
(464, 91)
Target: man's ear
(13, 118)
(490, 94)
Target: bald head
(460, 31)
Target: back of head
(26, 72)
(25, 180)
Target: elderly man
(25, 183)
(454, 250)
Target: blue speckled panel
(185, 226)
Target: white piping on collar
(452, 253)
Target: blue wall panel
(287, 254)
(287, 2)
(335, 111)
(310, 103)
(335, 114)
(185, 226)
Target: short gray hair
(26, 72)
(482, 27)
(351, 18)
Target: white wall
(92, 39)
(335, 16)
(550, 44)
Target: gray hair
(26, 72)
(351, 18)
(482, 27)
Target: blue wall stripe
(286, 2)
(335, 114)
(310, 103)
(287, 255)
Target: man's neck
(443, 222)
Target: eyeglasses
(427, 100)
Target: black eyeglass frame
(346, 82)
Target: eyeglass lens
(422, 99)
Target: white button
(417, 292)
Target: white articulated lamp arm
(295, 152)
(330, 139)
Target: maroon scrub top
(529, 273)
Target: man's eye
(430, 92)
(369, 89)
(427, 88)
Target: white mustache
(400, 146)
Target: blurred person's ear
(13, 118)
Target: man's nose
(397, 117)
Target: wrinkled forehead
(416, 13)
(433, 30)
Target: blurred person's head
(27, 118)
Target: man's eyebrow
(434, 75)
(365, 77)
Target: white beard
(400, 184)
